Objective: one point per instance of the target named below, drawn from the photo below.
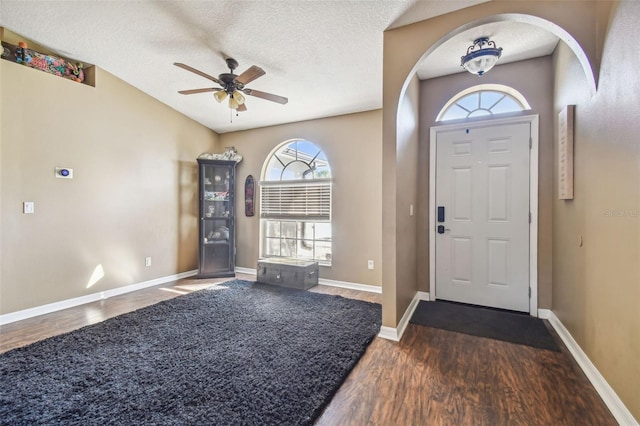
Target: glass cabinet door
(216, 184)
(217, 233)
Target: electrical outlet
(147, 261)
(370, 264)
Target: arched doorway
(405, 48)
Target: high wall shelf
(18, 50)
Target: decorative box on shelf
(293, 273)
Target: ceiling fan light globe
(220, 95)
(238, 97)
(233, 103)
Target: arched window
(295, 203)
(484, 100)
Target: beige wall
(534, 80)
(134, 191)
(596, 286)
(407, 193)
(352, 144)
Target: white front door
(482, 219)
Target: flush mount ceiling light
(481, 57)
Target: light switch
(28, 207)
(410, 209)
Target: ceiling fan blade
(200, 73)
(241, 108)
(194, 91)
(249, 75)
(268, 96)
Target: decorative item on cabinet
(230, 154)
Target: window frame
(316, 243)
(507, 91)
(306, 203)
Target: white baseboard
(395, 334)
(606, 392)
(248, 271)
(544, 313)
(351, 286)
(424, 295)
(76, 301)
(389, 333)
(324, 281)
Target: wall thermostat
(64, 173)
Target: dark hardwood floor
(432, 376)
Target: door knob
(442, 229)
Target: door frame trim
(533, 198)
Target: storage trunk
(300, 274)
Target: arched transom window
(483, 101)
(295, 203)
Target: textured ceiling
(325, 56)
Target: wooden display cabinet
(217, 218)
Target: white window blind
(299, 200)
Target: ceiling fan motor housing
(230, 85)
(231, 63)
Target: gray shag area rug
(240, 353)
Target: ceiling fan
(233, 85)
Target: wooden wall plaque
(565, 153)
